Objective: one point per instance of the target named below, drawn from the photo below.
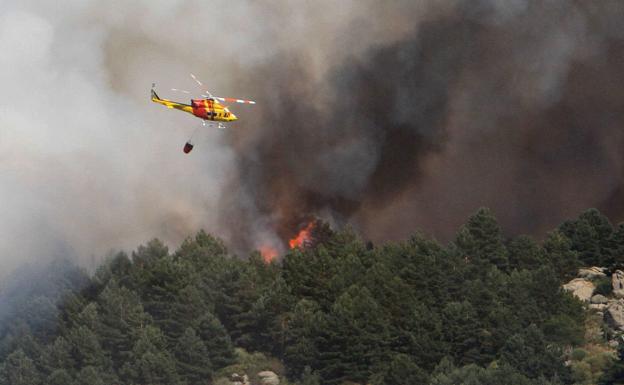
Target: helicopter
(209, 109)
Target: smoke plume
(388, 116)
(514, 106)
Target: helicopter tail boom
(170, 103)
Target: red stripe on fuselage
(203, 108)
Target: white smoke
(87, 162)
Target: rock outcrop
(268, 378)
(580, 288)
(599, 299)
(614, 314)
(591, 272)
(617, 281)
(239, 380)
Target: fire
(268, 253)
(304, 237)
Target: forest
(482, 309)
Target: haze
(388, 117)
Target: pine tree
(229, 285)
(202, 251)
(300, 335)
(25, 342)
(218, 343)
(89, 375)
(57, 356)
(193, 363)
(70, 309)
(150, 363)
(355, 338)
(119, 267)
(484, 296)
(122, 318)
(419, 335)
(40, 314)
(525, 253)
(278, 302)
(323, 272)
(400, 369)
(256, 325)
(519, 299)
(529, 353)
(308, 273)
(18, 369)
(591, 235)
(169, 295)
(480, 241)
(618, 246)
(460, 327)
(425, 266)
(560, 255)
(86, 349)
(146, 255)
(59, 377)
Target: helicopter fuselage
(206, 109)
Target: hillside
(481, 310)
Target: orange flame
(304, 236)
(268, 253)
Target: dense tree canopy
(481, 310)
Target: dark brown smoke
(516, 106)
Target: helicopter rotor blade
(197, 80)
(207, 94)
(233, 100)
(188, 92)
(201, 85)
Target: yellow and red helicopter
(209, 109)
